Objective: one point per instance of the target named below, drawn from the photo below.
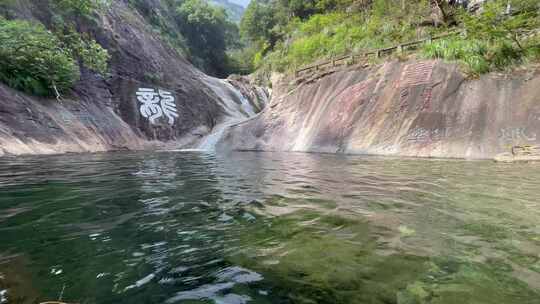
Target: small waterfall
(237, 107)
(210, 141)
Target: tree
(67, 17)
(33, 60)
(207, 30)
(498, 25)
(258, 21)
(79, 8)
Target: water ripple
(166, 224)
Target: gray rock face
(36, 126)
(104, 114)
(415, 108)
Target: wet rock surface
(414, 108)
(103, 114)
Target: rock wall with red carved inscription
(415, 108)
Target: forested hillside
(45, 53)
(46, 57)
(288, 34)
(234, 11)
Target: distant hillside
(235, 11)
(243, 3)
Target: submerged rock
(319, 264)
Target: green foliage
(472, 53)
(209, 34)
(338, 31)
(46, 62)
(91, 54)
(288, 34)
(201, 32)
(237, 63)
(67, 16)
(82, 8)
(33, 60)
(533, 48)
(163, 22)
(300, 33)
(258, 22)
(496, 23)
(495, 38)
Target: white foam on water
(210, 141)
(234, 103)
(232, 299)
(190, 250)
(204, 292)
(225, 217)
(158, 244)
(167, 281)
(236, 106)
(238, 275)
(219, 292)
(56, 270)
(141, 282)
(179, 269)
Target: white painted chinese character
(156, 104)
(150, 107)
(168, 105)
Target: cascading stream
(237, 107)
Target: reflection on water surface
(267, 228)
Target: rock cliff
(414, 108)
(103, 114)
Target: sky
(244, 3)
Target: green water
(267, 228)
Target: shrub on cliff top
(287, 36)
(67, 17)
(472, 53)
(33, 60)
(80, 8)
(501, 36)
(46, 61)
(90, 53)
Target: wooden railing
(352, 58)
